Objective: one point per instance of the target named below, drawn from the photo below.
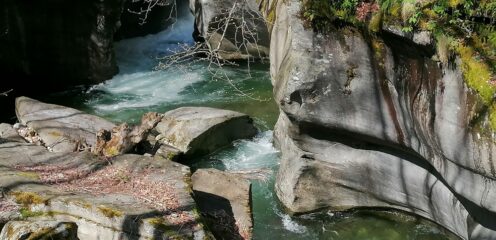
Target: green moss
(42, 234)
(109, 212)
(476, 73)
(26, 213)
(28, 198)
(375, 24)
(451, 22)
(492, 116)
(171, 155)
(10, 231)
(31, 175)
(111, 151)
(161, 224)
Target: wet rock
(202, 130)
(53, 230)
(224, 200)
(123, 138)
(377, 123)
(62, 129)
(234, 29)
(129, 196)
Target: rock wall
(136, 22)
(233, 30)
(58, 43)
(372, 121)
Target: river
(138, 89)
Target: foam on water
(290, 225)
(255, 153)
(137, 85)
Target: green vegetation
(161, 224)
(27, 198)
(109, 212)
(463, 28)
(26, 213)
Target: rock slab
(53, 230)
(61, 128)
(126, 197)
(201, 130)
(225, 200)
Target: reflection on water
(138, 89)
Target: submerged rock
(373, 121)
(129, 196)
(201, 130)
(224, 200)
(234, 29)
(53, 230)
(62, 129)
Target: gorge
(375, 138)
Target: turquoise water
(138, 89)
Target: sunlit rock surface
(53, 230)
(198, 131)
(224, 199)
(61, 128)
(373, 121)
(126, 197)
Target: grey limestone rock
(53, 230)
(375, 122)
(201, 130)
(224, 198)
(127, 197)
(61, 128)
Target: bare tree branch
(6, 93)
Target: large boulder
(374, 121)
(224, 199)
(62, 129)
(197, 131)
(232, 29)
(53, 230)
(126, 197)
(57, 43)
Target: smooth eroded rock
(224, 200)
(201, 130)
(53, 230)
(61, 128)
(374, 121)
